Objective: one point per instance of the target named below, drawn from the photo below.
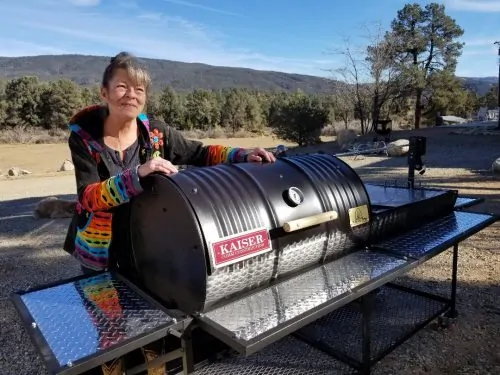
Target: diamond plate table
(80, 323)
(437, 236)
(250, 323)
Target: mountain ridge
(183, 76)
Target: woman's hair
(124, 60)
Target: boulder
(398, 148)
(15, 171)
(67, 166)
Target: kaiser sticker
(232, 249)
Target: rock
(67, 166)
(345, 137)
(398, 148)
(495, 167)
(15, 171)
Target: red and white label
(241, 246)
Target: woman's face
(125, 98)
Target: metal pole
(498, 88)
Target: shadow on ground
(16, 216)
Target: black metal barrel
(207, 235)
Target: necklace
(120, 150)
(114, 141)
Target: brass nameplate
(359, 215)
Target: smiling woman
(113, 147)
(125, 83)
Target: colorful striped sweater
(90, 234)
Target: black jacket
(100, 195)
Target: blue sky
(290, 36)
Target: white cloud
(474, 5)
(128, 4)
(479, 46)
(200, 6)
(479, 42)
(13, 47)
(58, 29)
(154, 16)
(85, 3)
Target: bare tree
(368, 79)
(343, 105)
(349, 83)
(387, 83)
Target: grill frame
(182, 329)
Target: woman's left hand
(259, 155)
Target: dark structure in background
(293, 265)
(383, 128)
(498, 88)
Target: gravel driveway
(31, 254)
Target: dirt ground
(31, 255)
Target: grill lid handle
(309, 221)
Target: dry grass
(33, 135)
(46, 159)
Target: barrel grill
(206, 235)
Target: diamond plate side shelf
(78, 324)
(435, 237)
(255, 321)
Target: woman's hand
(260, 155)
(156, 165)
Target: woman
(113, 147)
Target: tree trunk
(418, 108)
(375, 110)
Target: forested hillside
(87, 70)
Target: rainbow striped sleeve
(223, 154)
(112, 192)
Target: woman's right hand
(156, 165)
